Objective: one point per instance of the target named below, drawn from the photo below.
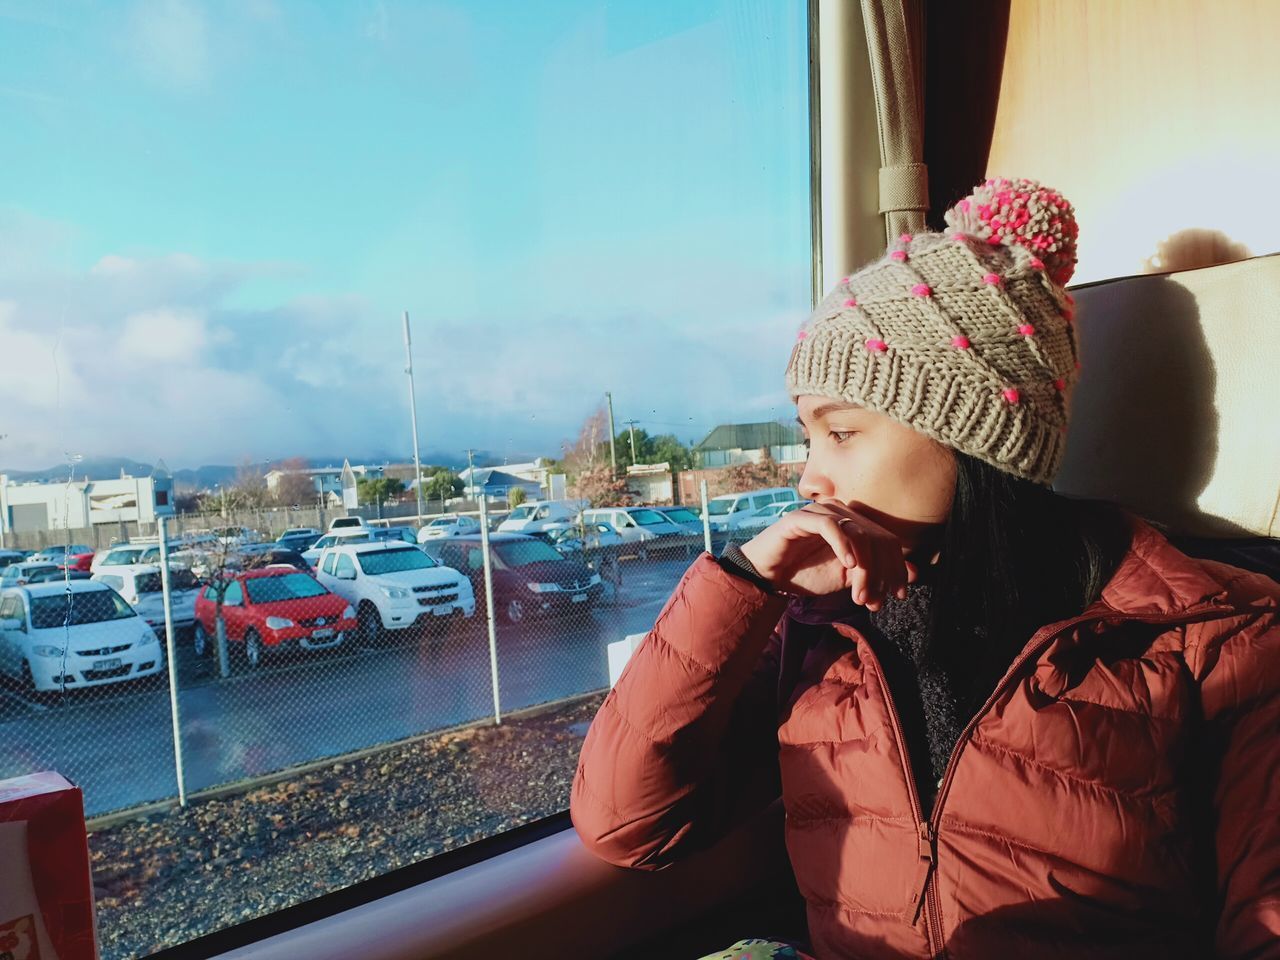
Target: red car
(271, 610)
(77, 561)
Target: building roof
(751, 436)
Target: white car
(125, 555)
(51, 639)
(727, 511)
(541, 516)
(393, 586)
(141, 588)
(17, 574)
(361, 534)
(455, 526)
(770, 514)
(346, 523)
(638, 526)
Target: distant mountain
(209, 476)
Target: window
(291, 586)
(234, 595)
(522, 552)
(344, 566)
(647, 518)
(78, 608)
(375, 563)
(220, 280)
(111, 580)
(682, 516)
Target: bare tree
(295, 487)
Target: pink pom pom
(877, 346)
(851, 302)
(961, 343)
(899, 255)
(1027, 330)
(1036, 263)
(922, 290)
(993, 279)
(1011, 394)
(959, 237)
(905, 238)
(1060, 384)
(801, 335)
(999, 210)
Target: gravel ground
(169, 877)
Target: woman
(1001, 722)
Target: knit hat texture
(966, 336)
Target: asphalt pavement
(116, 742)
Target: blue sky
(213, 214)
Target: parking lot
(116, 742)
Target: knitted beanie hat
(965, 336)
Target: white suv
(393, 586)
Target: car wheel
(515, 611)
(201, 644)
(368, 625)
(252, 650)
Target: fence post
(488, 602)
(706, 519)
(171, 651)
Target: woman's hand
(827, 546)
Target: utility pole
(632, 424)
(471, 472)
(613, 454)
(413, 415)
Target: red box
(46, 898)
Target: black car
(297, 542)
(530, 577)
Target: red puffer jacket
(1118, 795)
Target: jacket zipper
(925, 894)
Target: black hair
(1015, 556)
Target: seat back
(1177, 412)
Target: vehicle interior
(1167, 153)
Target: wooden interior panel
(1158, 119)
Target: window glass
(78, 608)
(647, 518)
(521, 552)
(330, 563)
(291, 586)
(378, 562)
(345, 565)
(234, 594)
(213, 217)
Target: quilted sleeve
(1240, 691)
(685, 745)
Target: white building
(34, 507)
(324, 479)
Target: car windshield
(291, 586)
(718, 508)
(521, 513)
(522, 552)
(682, 516)
(122, 557)
(90, 606)
(180, 579)
(443, 522)
(648, 518)
(378, 562)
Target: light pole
(413, 414)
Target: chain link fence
(243, 662)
